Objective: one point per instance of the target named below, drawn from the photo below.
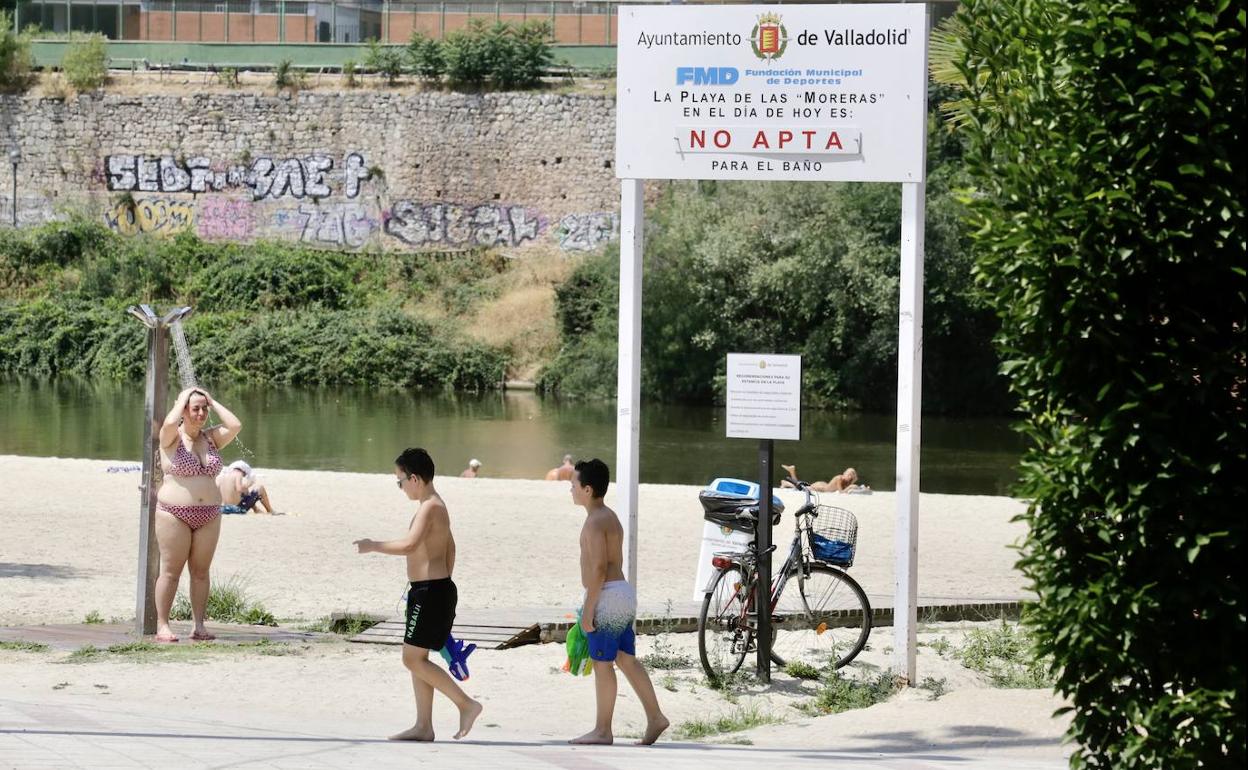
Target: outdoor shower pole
(157, 384)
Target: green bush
(15, 58)
(1007, 655)
(348, 74)
(425, 58)
(466, 55)
(274, 277)
(384, 60)
(287, 77)
(86, 62)
(1105, 144)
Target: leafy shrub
(228, 77)
(532, 55)
(1105, 148)
(466, 55)
(287, 77)
(15, 58)
(86, 62)
(348, 74)
(273, 278)
(385, 60)
(424, 56)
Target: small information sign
(764, 397)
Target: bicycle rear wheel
(724, 632)
(824, 620)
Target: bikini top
(185, 463)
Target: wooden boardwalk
(498, 629)
(73, 636)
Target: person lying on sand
(845, 481)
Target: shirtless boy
(431, 597)
(610, 607)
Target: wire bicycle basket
(833, 536)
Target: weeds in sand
(20, 646)
(665, 656)
(937, 687)
(93, 617)
(85, 654)
(668, 682)
(347, 625)
(228, 602)
(734, 721)
(841, 693)
(940, 646)
(1006, 655)
(799, 670)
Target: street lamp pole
(15, 157)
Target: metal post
(149, 554)
(628, 405)
(174, 32)
(385, 20)
(227, 20)
(157, 383)
(909, 412)
(333, 21)
(281, 21)
(762, 595)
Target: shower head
(144, 313)
(177, 314)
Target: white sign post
(778, 92)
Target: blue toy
(455, 653)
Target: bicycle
(822, 621)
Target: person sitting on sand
(845, 481)
(429, 548)
(241, 491)
(563, 472)
(609, 608)
(472, 471)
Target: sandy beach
(69, 542)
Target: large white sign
(804, 92)
(764, 398)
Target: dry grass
(522, 316)
(182, 83)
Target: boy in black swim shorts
(431, 596)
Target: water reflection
(515, 435)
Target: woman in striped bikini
(188, 510)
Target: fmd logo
(707, 76)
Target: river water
(515, 435)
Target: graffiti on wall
(349, 225)
(158, 216)
(313, 176)
(586, 232)
(224, 219)
(453, 224)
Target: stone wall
(357, 170)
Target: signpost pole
(149, 556)
(762, 598)
(628, 384)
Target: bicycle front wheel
(724, 632)
(821, 620)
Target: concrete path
(83, 732)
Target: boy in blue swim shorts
(609, 608)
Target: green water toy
(578, 661)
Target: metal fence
(573, 22)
